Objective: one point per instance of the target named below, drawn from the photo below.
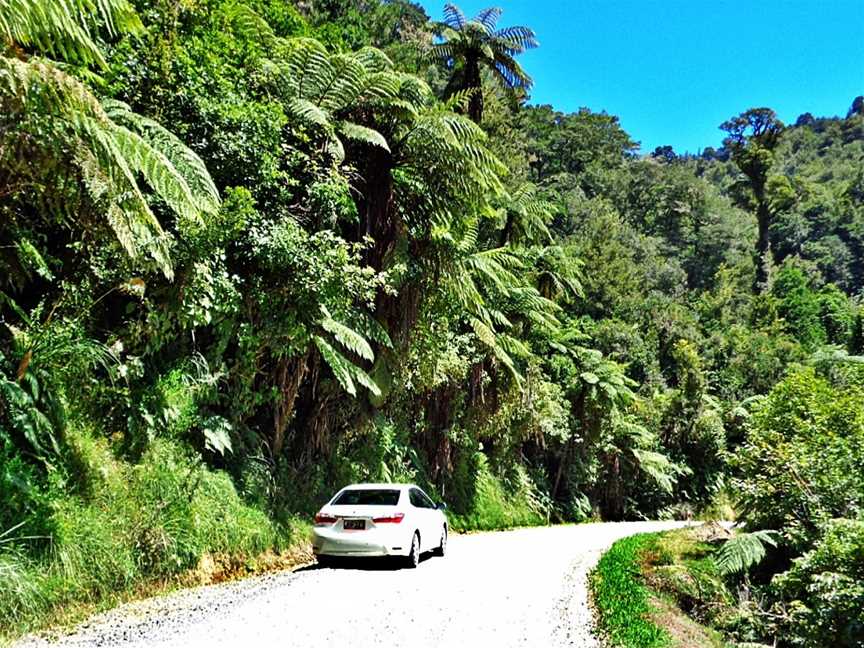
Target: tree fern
(104, 157)
(739, 554)
(346, 336)
(64, 29)
(321, 89)
(466, 46)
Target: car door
(433, 528)
(421, 511)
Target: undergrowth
(117, 527)
(497, 505)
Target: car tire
(413, 558)
(441, 550)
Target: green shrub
(801, 462)
(824, 590)
(496, 505)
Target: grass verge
(622, 600)
(131, 530)
(663, 589)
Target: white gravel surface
(515, 588)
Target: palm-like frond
(453, 16)
(658, 467)
(347, 374)
(509, 72)
(177, 174)
(346, 336)
(489, 18)
(517, 39)
(64, 29)
(246, 22)
(742, 552)
(54, 122)
(359, 133)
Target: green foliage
(825, 589)
(66, 29)
(797, 468)
(129, 524)
(622, 601)
(679, 571)
(743, 551)
(265, 253)
(498, 503)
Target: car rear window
(368, 497)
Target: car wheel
(442, 548)
(414, 557)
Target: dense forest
(253, 251)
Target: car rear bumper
(362, 543)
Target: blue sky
(673, 70)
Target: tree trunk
(473, 82)
(763, 245)
(376, 207)
(289, 377)
(507, 232)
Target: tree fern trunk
(473, 82)
(289, 376)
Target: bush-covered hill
(251, 251)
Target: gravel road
(515, 588)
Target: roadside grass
(621, 600)
(136, 529)
(663, 589)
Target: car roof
(380, 485)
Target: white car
(380, 520)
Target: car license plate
(354, 525)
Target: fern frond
(197, 191)
(489, 18)
(246, 22)
(65, 29)
(305, 109)
(658, 467)
(347, 337)
(453, 16)
(362, 134)
(341, 367)
(742, 552)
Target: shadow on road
(362, 564)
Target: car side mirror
(441, 506)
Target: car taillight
(396, 518)
(321, 519)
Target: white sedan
(380, 520)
